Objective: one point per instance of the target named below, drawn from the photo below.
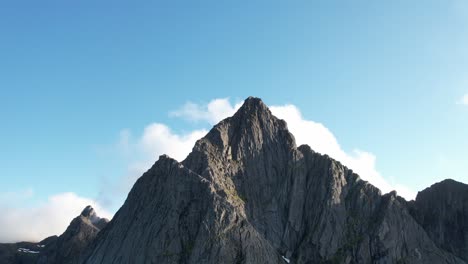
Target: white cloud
(141, 152)
(463, 100)
(322, 140)
(215, 111)
(158, 139)
(34, 223)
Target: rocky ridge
(62, 249)
(68, 247)
(247, 194)
(442, 210)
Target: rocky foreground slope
(248, 194)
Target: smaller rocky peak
(68, 247)
(165, 160)
(164, 157)
(449, 184)
(90, 214)
(305, 149)
(442, 211)
(88, 211)
(446, 189)
(87, 219)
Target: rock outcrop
(67, 248)
(248, 194)
(442, 210)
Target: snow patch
(26, 250)
(285, 259)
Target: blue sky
(387, 77)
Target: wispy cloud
(213, 112)
(140, 152)
(463, 100)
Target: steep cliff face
(442, 210)
(247, 194)
(68, 247)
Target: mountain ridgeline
(65, 248)
(247, 194)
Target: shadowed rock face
(442, 210)
(247, 194)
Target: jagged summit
(247, 194)
(252, 105)
(254, 110)
(88, 211)
(89, 214)
(241, 137)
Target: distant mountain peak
(88, 211)
(82, 230)
(90, 214)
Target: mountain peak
(254, 102)
(244, 135)
(82, 230)
(247, 194)
(253, 105)
(88, 211)
(90, 215)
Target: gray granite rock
(248, 194)
(442, 210)
(68, 247)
